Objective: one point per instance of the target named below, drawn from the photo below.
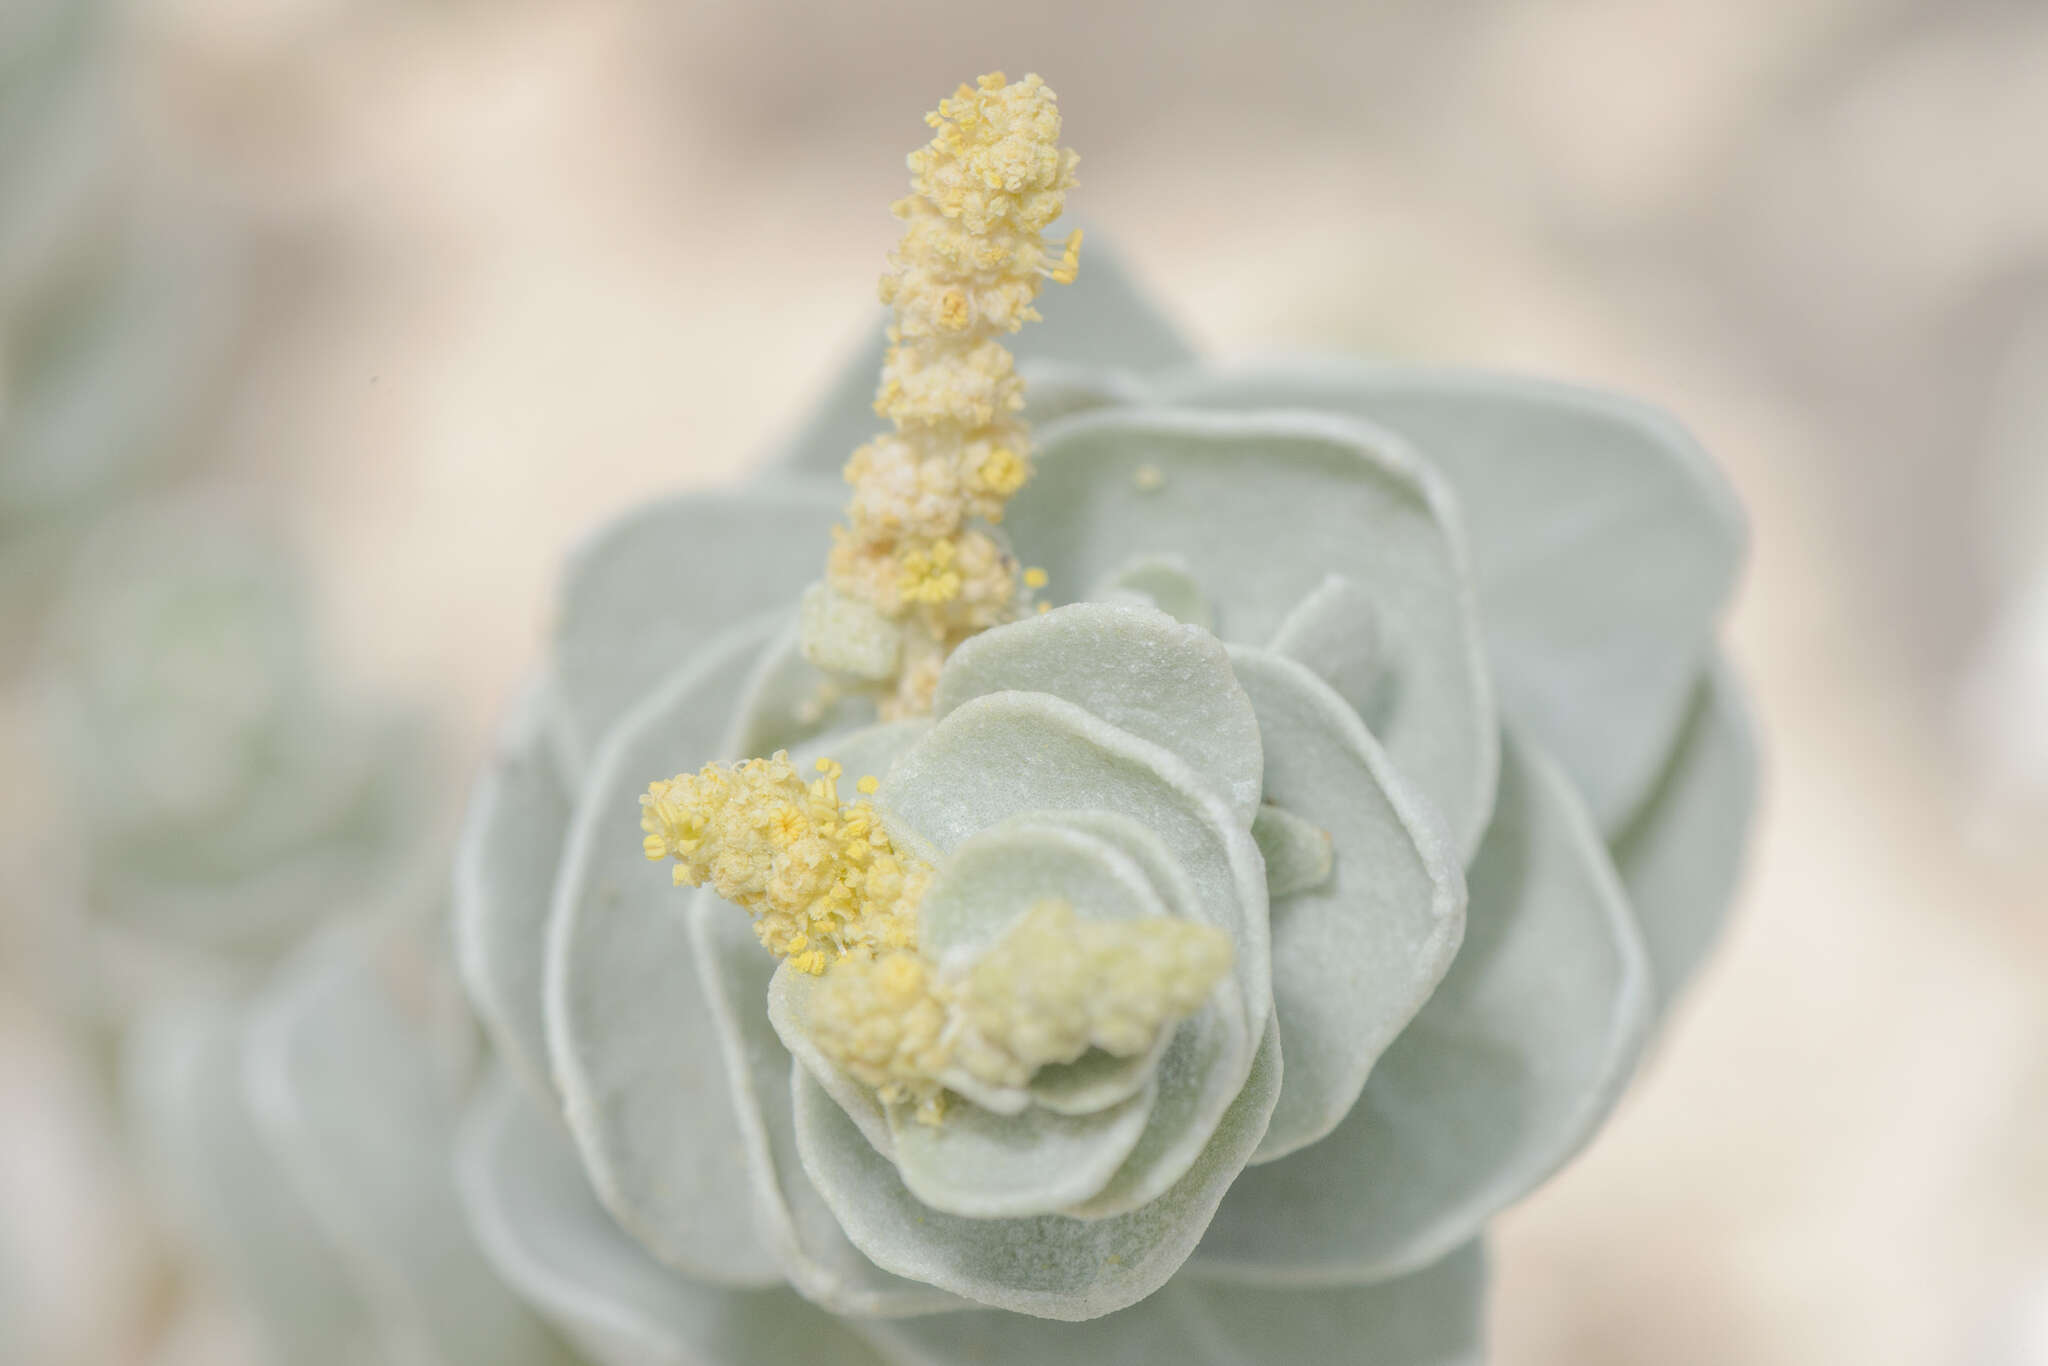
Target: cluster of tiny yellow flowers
(917, 567)
(821, 878)
(1053, 987)
(918, 545)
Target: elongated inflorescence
(918, 554)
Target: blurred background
(423, 289)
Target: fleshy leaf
(1299, 856)
(547, 1236)
(1050, 1266)
(505, 866)
(1333, 632)
(1680, 855)
(1054, 389)
(1265, 507)
(1101, 321)
(1356, 957)
(985, 1166)
(991, 878)
(1136, 668)
(643, 1090)
(1012, 752)
(1157, 1329)
(848, 636)
(791, 993)
(1604, 542)
(735, 973)
(789, 703)
(643, 595)
(1503, 1076)
(1166, 581)
(355, 1108)
(1432, 1317)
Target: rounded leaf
(1264, 507)
(643, 595)
(1136, 668)
(1357, 954)
(629, 1034)
(1605, 544)
(1504, 1074)
(545, 1233)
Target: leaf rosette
(1403, 683)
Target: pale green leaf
(629, 1035)
(642, 596)
(1265, 507)
(1604, 542)
(546, 1234)
(1505, 1074)
(1136, 668)
(1681, 853)
(1050, 1266)
(505, 864)
(1355, 957)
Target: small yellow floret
(821, 880)
(967, 272)
(1035, 578)
(1052, 988)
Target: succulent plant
(117, 309)
(225, 798)
(1236, 908)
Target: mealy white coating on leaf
(790, 994)
(844, 635)
(644, 1095)
(1355, 957)
(642, 595)
(1681, 854)
(546, 1235)
(1500, 1079)
(1094, 1081)
(1264, 507)
(986, 1166)
(798, 1227)
(346, 1090)
(1136, 668)
(506, 859)
(1605, 544)
(1432, 1317)
(1193, 1078)
(1333, 631)
(225, 1190)
(1101, 322)
(1049, 1266)
(1165, 581)
(1299, 855)
(991, 878)
(1198, 1066)
(788, 703)
(1012, 752)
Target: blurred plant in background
(118, 307)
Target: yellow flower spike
(966, 273)
(790, 854)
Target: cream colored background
(519, 264)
